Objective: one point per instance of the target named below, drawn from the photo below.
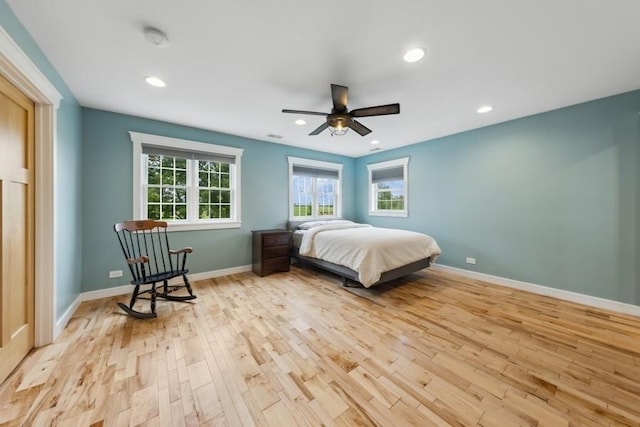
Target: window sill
(194, 226)
(400, 214)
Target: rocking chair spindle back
(145, 246)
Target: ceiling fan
(340, 120)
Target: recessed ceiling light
(414, 55)
(484, 109)
(300, 122)
(375, 142)
(154, 81)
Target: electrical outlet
(471, 260)
(115, 273)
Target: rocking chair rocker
(145, 245)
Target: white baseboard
(105, 293)
(597, 302)
(219, 273)
(64, 319)
(126, 289)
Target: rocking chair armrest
(180, 251)
(142, 259)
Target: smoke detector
(156, 37)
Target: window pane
(153, 195)
(204, 212)
(203, 179)
(167, 162)
(181, 163)
(204, 196)
(181, 195)
(167, 195)
(167, 176)
(181, 212)
(153, 212)
(224, 181)
(153, 176)
(181, 178)
(153, 161)
(302, 196)
(224, 167)
(225, 211)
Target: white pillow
(312, 224)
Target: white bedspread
(370, 251)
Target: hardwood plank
(298, 349)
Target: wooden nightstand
(271, 251)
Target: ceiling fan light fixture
(339, 124)
(375, 142)
(414, 55)
(337, 131)
(300, 122)
(484, 109)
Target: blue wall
(552, 199)
(67, 230)
(108, 194)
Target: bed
(361, 253)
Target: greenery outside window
(388, 188)
(191, 185)
(314, 189)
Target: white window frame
(139, 199)
(373, 202)
(297, 161)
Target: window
(314, 189)
(191, 185)
(388, 188)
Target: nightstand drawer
(271, 252)
(277, 263)
(278, 239)
(275, 251)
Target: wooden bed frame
(347, 274)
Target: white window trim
(373, 211)
(298, 161)
(139, 139)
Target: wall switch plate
(471, 260)
(115, 273)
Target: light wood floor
(296, 349)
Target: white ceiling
(232, 66)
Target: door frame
(16, 67)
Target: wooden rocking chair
(145, 245)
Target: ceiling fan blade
(314, 113)
(320, 128)
(359, 127)
(380, 110)
(340, 95)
